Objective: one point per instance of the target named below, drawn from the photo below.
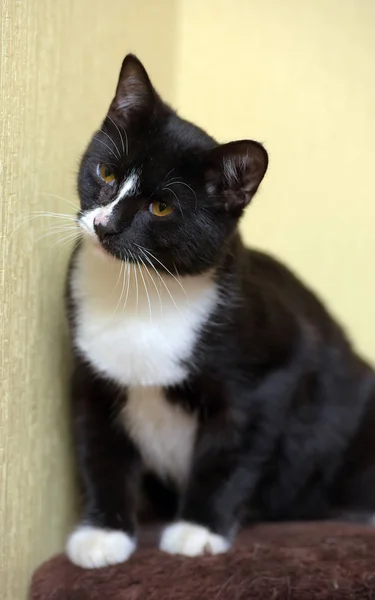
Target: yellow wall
(58, 69)
(299, 76)
(295, 74)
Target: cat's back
(272, 279)
(270, 283)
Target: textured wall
(299, 76)
(59, 63)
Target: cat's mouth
(106, 248)
(99, 246)
(109, 245)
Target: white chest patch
(139, 329)
(135, 327)
(163, 432)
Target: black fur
(286, 408)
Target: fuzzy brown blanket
(314, 561)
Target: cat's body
(209, 365)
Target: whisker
(63, 226)
(23, 219)
(136, 281)
(77, 242)
(107, 162)
(119, 132)
(67, 242)
(113, 142)
(147, 294)
(164, 267)
(53, 215)
(66, 247)
(183, 183)
(66, 239)
(122, 271)
(165, 285)
(119, 275)
(106, 146)
(56, 231)
(170, 180)
(152, 279)
(128, 277)
(75, 206)
(52, 229)
(68, 232)
(169, 172)
(126, 138)
(175, 195)
(186, 185)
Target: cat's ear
(234, 172)
(134, 90)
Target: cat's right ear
(234, 172)
(134, 92)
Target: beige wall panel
(58, 69)
(297, 75)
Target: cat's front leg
(109, 468)
(218, 489)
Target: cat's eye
(106, 173)
(160, 209)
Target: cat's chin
(102, 252)
(98, 249)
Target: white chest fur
(134, 326)
(163, 432)
(139, 329)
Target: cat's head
(155, 187)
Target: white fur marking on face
(128, 187)
(92, 547)
(163, 432)
(192, 540)
(133, 337)
(101, 214)
(101, 219)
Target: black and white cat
(204, 370)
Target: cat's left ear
(135, 92)
(234, 172)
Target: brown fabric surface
(313, 561)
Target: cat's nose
(103, 228)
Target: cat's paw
(192, 540)
(92, 547)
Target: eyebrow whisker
(175, 195)
(119, 132)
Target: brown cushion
(301, 561)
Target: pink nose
(101, 219)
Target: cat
(205, 373)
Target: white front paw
(92, 547)
(192, 540)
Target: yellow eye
(160, 209)
(106, 173)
